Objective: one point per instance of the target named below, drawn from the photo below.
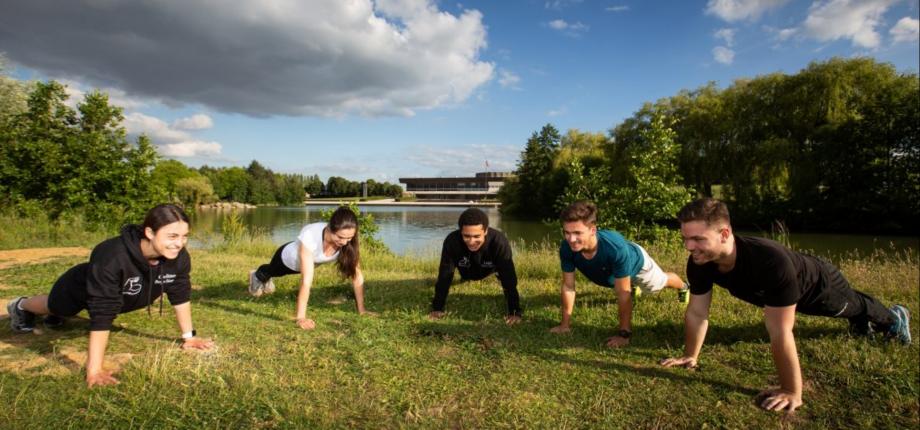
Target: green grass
(400, 370)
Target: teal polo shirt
(616, 258)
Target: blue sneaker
(901, 327)
(21, 321)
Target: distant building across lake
(483, 186)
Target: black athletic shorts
(68, 295)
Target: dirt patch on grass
(16, 257)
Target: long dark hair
(350, 254)
(163, 214)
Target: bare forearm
(358, 285)
(694, 333)
(624, 306)
(786, 358)
(184, 317)
(568, 304)
(98, 340)
(303, 296)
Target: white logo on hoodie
(132, 286)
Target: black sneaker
(53, 321)
(21, 321)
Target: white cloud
(319, 57)
(558, 24)
(726, 34)
(847, 19)
(76, 91)
(195, 148)
(560, 4)
(466, 159)
(723, 55)
(737, 10)
(622, 8)
(569, 28)
(786, 33)
(170, 141)
(195, 122)
(507, 79)
(558, 112)
(906, 30)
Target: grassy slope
(466, 371)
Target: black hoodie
(119, 279)
(493, 256)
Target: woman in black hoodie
(123, 274)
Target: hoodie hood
(131, 236)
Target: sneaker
(21, 321)
(901, 327)
(255, 285)
(53, 321)
(683, 295)
(268, 287)
(636, 293)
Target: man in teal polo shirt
(608, 260)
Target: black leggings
(275, 267)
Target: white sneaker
(255, 285)
(268, 287)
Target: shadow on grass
(380, 296)
(549, 347)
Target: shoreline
(392, 202)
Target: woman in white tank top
(316, 244)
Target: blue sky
(394, 88)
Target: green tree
(65, 161)
(14, 94)
(650, 188)
(534, 191)
(193, 191)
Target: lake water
(421, 230)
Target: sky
(383, 89)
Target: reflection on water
(421, 230)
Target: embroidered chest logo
(132, 286)
(464, 262)
(488, 264)
(165, 278)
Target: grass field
(400, 370)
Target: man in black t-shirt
(476, 251)
(764, 273)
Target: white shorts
(651, 278)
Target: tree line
(832, 147)
(56, 161)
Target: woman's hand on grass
(561, 328)
(617, 342)
(512, 319)
(368, 313)
(777, 399)
(686, 362)
(198, 343)
(436, 315)
(306, 323)
(100, 377)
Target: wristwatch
(189, 334)
(625, 334)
